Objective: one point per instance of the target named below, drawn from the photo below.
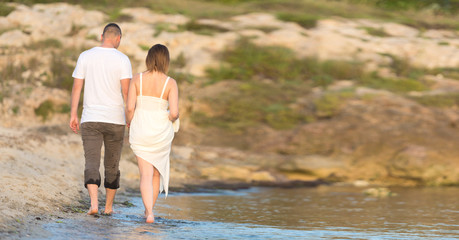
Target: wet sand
(41, 173)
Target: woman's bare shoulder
(172, 82)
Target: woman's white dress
(151, 133)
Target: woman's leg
(146, 186)
(156, 177)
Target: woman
(151, 124)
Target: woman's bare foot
(150, 218)
(93, 211)
(108, 212)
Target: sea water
(275, 213)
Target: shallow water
(273, 213)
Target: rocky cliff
(350, 130)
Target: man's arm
(131, 100)
(76, 92)
(125, 88)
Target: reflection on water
(259, 213)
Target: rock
(182, 152)
(14, 38)
(51, 20)
(144, 15)
(439, 34)
(379, 192)
(361, 183)
(236, 173)
(399, 30)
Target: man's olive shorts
(93, 135)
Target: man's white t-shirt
(102, 69)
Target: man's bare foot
(93, 211)
(150, 218)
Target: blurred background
(333, 90)
(356, 94)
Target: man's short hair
(112, 29)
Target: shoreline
(42, 172)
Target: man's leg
(92, 143)
(92, 190)
(113, 142)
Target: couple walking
(151, 99)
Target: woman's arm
(173, 101)
(131, 100)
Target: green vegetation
(439, 6)
(45, 109)
(48, 107)
(11, 72)
(179, 62)
(306, 21)
(247, 61)
(252, 103)
(5, 9)
(62, 66)
(202, 29)
(15, 110)
(116, 16)
(47, 43)
(328, 105)
(376, 32)
(398, 85)
(181, 77)
(441, 101)
(423, 14)
(144, 47)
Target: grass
(12, 72)
(47, 43)
(329, 104)
(396, 85)
(5, 9)
(246, 61)
(116, 16)
(203, 29)
(304, 20)
(452, 73)
(45, 109)
(377, 32)
(440, 101)
(61, 69)
(254, 103)
(426, 14)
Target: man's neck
(107, 45)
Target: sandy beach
(42, 172)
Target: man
(106, 73)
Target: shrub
(304, 20)
(47, 43)
(45, 109)
(328, 105)
(246, 61)
(116, 16)
(202, 29)
(400, 85)
(254, 103)
(5, 9)
(378, 32)
(179, 62)
(441, 101)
